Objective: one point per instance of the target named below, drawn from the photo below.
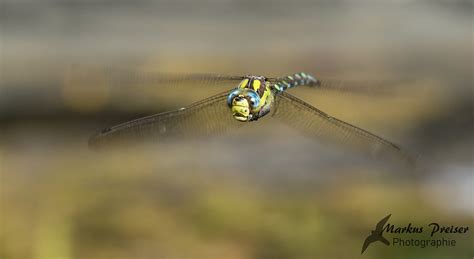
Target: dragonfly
(252, 98)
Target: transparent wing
(209, 116)
(313, 122)
(375, 87)
(361, 86)
(117, 78)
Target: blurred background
(264, 192)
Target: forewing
(206, 117)
(118, 79)
(375, 87)
(315, 123)
(381, 87)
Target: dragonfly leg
(283, 83)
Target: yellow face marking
(244, 83)
(240, 110)
(256, 84)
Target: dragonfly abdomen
(291, 81)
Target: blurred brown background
(267, 192)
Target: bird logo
(376, 234)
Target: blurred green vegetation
(131, 205)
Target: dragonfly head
(242, 102)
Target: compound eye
(231, 97)
(252, 102)
(254, 99)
